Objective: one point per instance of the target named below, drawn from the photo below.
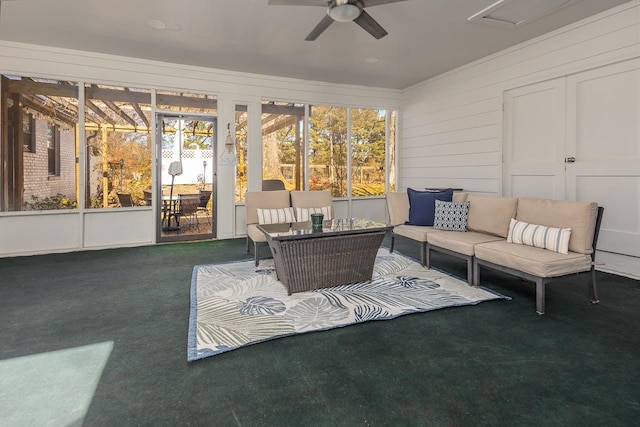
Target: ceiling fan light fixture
(344, 12)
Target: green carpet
(497, 364)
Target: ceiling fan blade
(319, 29)
(369, 3)
(370, 25)
(322, 3)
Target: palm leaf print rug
(237, 304)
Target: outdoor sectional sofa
(485, 243)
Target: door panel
(186, 173)
(534, 131)
(604, 137)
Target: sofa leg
(425, 255)
(540, 296)
(476, 274)
(470, 279)
(393, 240)
(592, 287)
(248, 249)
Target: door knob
(570, 160)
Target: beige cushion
(255, 234)
(579, 216)
(490, 214)
(536, 261)
(264, 199)
(258, 236)
(398, 206)
(462, 243)
(459, 197)
(312, 199)
(414, 232)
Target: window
(391, 150)
(368, 141)
(28, 131)
(53, 149)
(39, 145)
(283, 142)
(241, 152)
(118, 139)
(328, 149)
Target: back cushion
(422, 205)
(579, 216)
(490, 214)
(398, 206)
(264, 200)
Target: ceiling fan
(342, 11)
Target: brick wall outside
(37, 181)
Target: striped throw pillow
(539, 236)
(275, 216)
(303, 214)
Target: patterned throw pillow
(539, 236)
(451, 216)
(304, 214)
(275, 216)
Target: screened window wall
(39, 138)
(38, 141)
(118, 146)
(283, 143)
(350, 151)
(241, 152)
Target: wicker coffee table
(343, 252)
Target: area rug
(237, 304)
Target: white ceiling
(426, 37)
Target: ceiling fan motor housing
(344, 10)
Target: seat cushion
(255, 234)
(414, 232)
(536, 261)
(462, 243)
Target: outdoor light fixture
(228, 157)
(344, 12)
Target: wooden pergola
(106, 108)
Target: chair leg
(540, 296)
(248, 247)
(255, 250)
(592, 287)
(393, 240)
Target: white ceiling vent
(512, 14)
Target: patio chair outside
(125, 200)
(188, 210)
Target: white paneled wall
(451, 130)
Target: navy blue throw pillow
(422, 205)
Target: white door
(603, 135)
(534, 133)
